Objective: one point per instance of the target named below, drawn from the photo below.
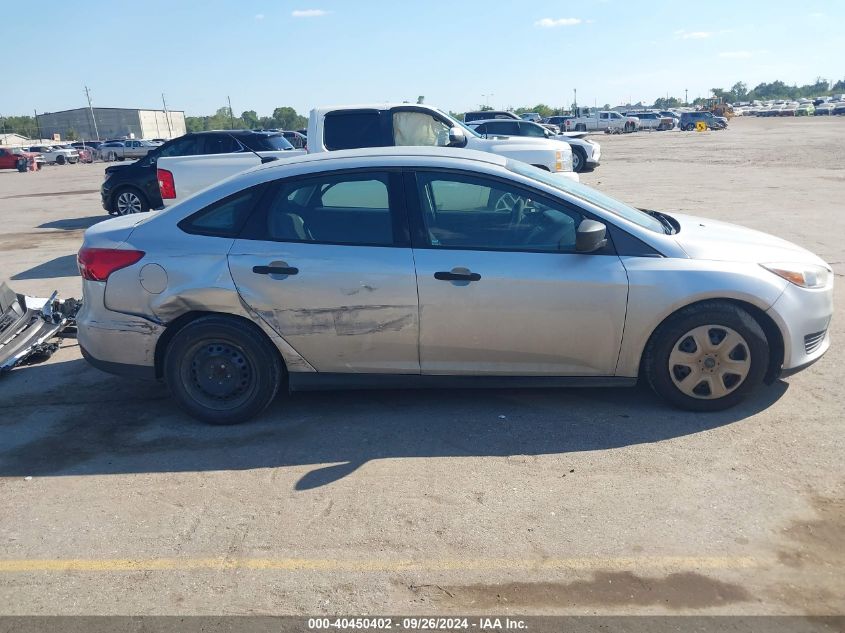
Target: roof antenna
(264, 159)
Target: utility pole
(166, 117)
(487, 98)
(686, 97)
(575, 100)
(231, 114)
(37, 124)
(90, 109)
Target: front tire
(579, 160)
(221, 371)
(60, 160)
(707, 357)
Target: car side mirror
(590, 237)
(457, 138)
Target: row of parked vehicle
(825, 106)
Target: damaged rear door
(326, 261)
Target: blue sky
(269, 53)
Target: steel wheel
(129, 202)
(578, 160)
(709, 362)
(218, 374)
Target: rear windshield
(265, 142)
(588, 194)
(352, 130)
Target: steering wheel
(517, 212)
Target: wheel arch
(181, 322)
(774, 336)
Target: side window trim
(260, 195)
(255, 227)
(419, 234)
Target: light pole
(487, 98)
(686, 97)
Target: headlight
(804, 275)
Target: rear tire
(707, 357)
(221, 371)
(128, 200)
(60, 159)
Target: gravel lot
(559, 501)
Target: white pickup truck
(382, 125)
(604, 121)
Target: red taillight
(96, 264)
(166, 185)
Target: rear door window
(353, 129)
(219, 144)
(345, 209)
(413, 128)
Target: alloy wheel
(709, 362)
(128, 202)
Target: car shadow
(64, 266)
(100, 424)
(74, 224)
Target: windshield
(456, 123)
(266, 142)
(588, 194)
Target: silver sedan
(427, 267)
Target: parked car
(805, 109)
(653, 121)
(85, 154)
(676, 118)
(508, 277)
(121, 150)
(838, 109)
(296, 139)
(585, 154)
(16, 158)
(134, 188)
(530, 116)
(689, 120)
(478, 115)
(824, 109)
(560, 120)
(603, 121)
(381, 125)
(55, 155)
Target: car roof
(500, 120)
(387, 152)
(239, 132)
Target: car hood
(513, 141)
(703, 238)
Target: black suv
(133, 188)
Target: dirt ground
(558, 501)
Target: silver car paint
(658, 286)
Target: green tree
(250, 119)
(288, 119)
(421, 99)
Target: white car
(608, 121)
(401, 124)
(55, 155)
(586, 154)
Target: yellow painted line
(379, 565)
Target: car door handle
(455, 276)
(275, 270)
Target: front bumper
(112, 341)
(803, 317)
(595, 157)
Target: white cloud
(693, 35)
(736, 54)
(817, 14)
(308, 13)
(259, 16)
(550, 23)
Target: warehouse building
(112, 123)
